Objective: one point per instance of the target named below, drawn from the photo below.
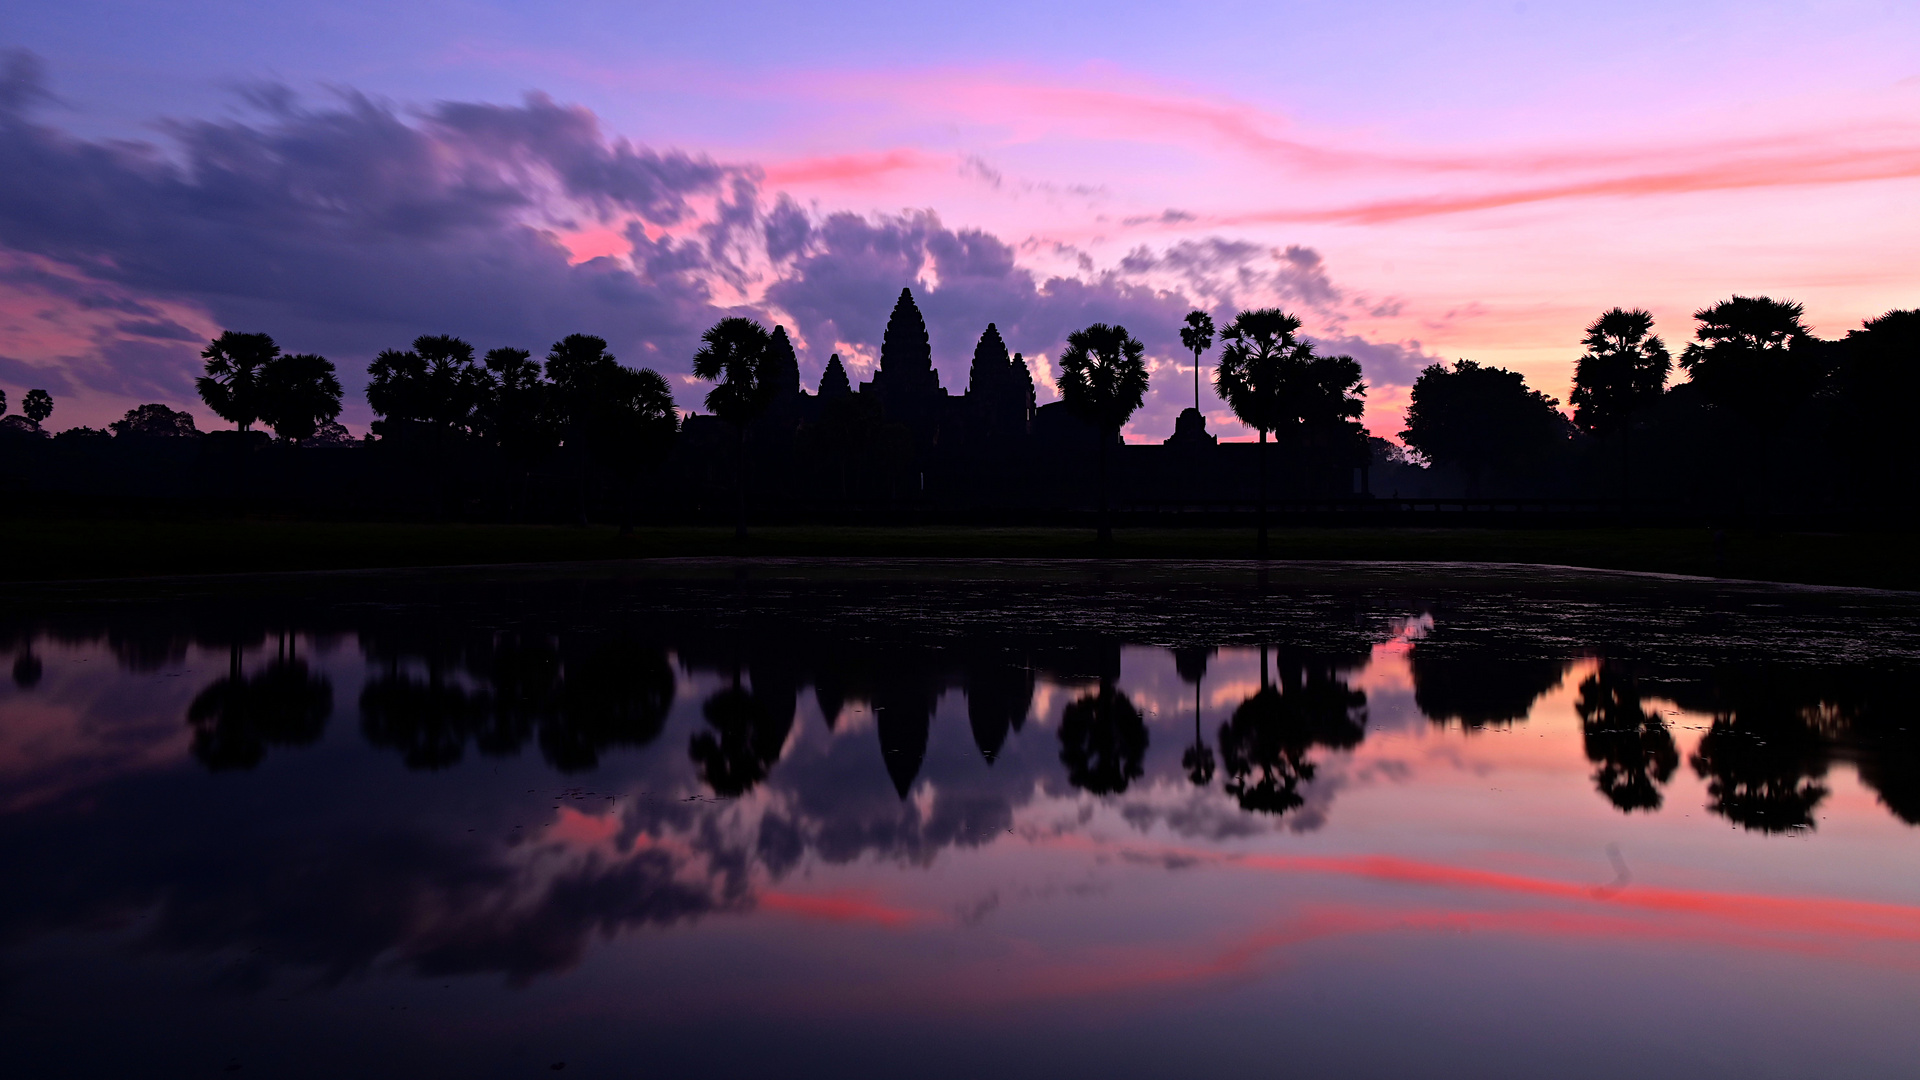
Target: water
(785, 819)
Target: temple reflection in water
(488, 775)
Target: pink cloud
(846, 169)
(842, 907)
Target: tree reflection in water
(496, 690)
(748, 732)
(1264, 747)
(1479, 686)
(238, 717)
(1198, 759)
(1103, 741)
(1633, 750)
(1766, 755)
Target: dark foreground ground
(55, 550)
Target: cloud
(1386, 363)
(846, 272)
(354, 225)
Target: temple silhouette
(901, 439)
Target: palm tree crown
(1623, 370)
(733, 356)
(1103, 376)
(1251, 377)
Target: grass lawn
(53, 550)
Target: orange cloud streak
(1834, 167)
(846, 168)
(842, 908)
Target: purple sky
(1418, 181)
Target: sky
(1420, 182)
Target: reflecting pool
(793, 819)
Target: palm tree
(1103, 379)
(518, 413)
(1251, 379)
(1198, 759)
(36, 405)
(1197, 336)
(733, 356)
(231, 386)
(298, 393)
(1623, 370)
(1753, 356)
(632, 429)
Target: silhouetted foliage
(1623, 371)
(1762, 758)
(37, 406)
(237, 718)
(436, 384)
(1264, 747)
(1103, 379)
(1198, 759)
(1250, 379)
(1478, 688)
(1753, 355)
(430, 722)
(1878, 375)
(1483, 420)
(748, 734)
(1103, 741)
(618, 695)
(1632, 748)
(733, 356)
(235, 363)
(155, 421)
(1196, 334)
(519, 414)
(298, 393)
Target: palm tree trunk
(1106, 530)
(1260, 511)
(740, 486)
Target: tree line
(1765, 406)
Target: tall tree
(1197, 335)
(1753, 356)
(1623, 371)
(155, 420)
(1250, 378)
(298, 393)
(436, 383)
(517, 414)
(1103, 741)
(733, 356)
(1198, 759)
(36, 406)
(231, 386)
(1103, 379)
(1480, 418)
(632, 428)
(578, 368)
(1879, 374)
